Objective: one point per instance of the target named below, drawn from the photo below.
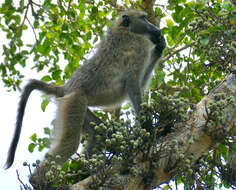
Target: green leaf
(160, 78)
(178, 180)
(75, 165)
(234, 149)
(47, 131)
(46, 78)
(17, 19)
(232, 19)
(46, 142)
(126, 106)
(44, 104)
(22, 3)
(34, 137)
(36, 24)
(224, 151)
(199, 4)
(31, 147)
(166, 187)
(82, 8)
(9, 2)
(45, 47)
(89, 35)
(170, 40)
(204, 32)
(94, 10)
(227, 5)
(169, 23)
(205, 40)
(56, 75)
(190, 4)
(40, 148)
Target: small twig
(32, 9)
(29, 169)
(68, 9)
(176, 185)
(180, 40)
(35, 3)
(18, 177)
(32, 29)
(175, 52)
(160, 5)
(212, 168)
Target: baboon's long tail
(32, 85)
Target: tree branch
(168, 56)
(193, 137)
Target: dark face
(140, 25)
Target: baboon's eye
(126, 20)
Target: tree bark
(194, 137)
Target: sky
(34, 122)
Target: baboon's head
(136, 21)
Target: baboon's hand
(155, 36)
(158, 40)
(160, 44)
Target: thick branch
(191, 137)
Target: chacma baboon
(118, 70)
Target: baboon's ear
(126, 21)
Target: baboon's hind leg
(72, 109)
(71, 114)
